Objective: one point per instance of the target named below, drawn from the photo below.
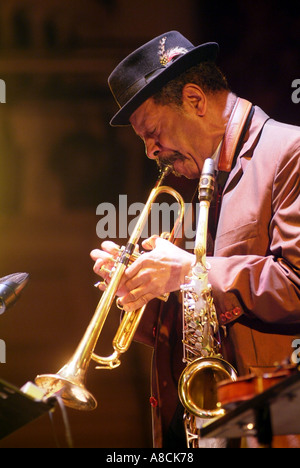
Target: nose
(152, 149)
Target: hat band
(137, 86)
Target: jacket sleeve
(266, 287)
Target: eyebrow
(145, 125)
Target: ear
(194, 97)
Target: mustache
(168, 161)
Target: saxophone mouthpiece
(207, 180)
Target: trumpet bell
(198, 386)
(71, 391)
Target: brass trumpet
(69, 382)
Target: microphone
(11, 287)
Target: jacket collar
(252, 136)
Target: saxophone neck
(206, 190)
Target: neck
(222, 105)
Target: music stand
(276, 411)
(18, 409)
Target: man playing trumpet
(179, 103)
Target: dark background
(59, 159)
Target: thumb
(150, 243)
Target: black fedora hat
(150, 67)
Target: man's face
(171, 136)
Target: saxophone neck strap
(235, 132)
(236, 128)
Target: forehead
(145, 114)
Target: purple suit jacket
(255, 270)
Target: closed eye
(151, 133)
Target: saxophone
(205, 366)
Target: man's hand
(160, 270)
